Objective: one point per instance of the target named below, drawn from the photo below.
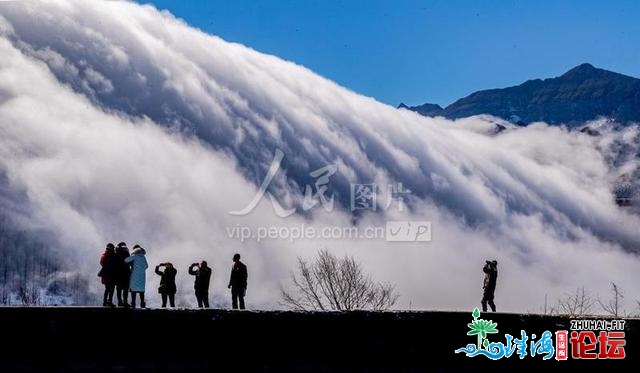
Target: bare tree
(29, 295)
(548, 309)
(613, 306)
(332, 283)
(579, 304)
(30, 264)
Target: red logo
(607, 345)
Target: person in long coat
(138, 279)
(124, 272)
(108, 273)
(167, 288)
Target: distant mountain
(429, 110)
(582, 93)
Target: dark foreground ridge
(156, 340)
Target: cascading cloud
(121, 122)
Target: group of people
(123, 273)
(118, 276)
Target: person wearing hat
(108, 272)
(138, 279)
(490, 270)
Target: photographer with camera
(167, 288)
(490, 270)
(201, 283)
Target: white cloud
(117, 162)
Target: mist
(120, 122)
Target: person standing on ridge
(167, 288)
(124, 272)
(490, 270)
(201, 283)
(238, 282)
(108, 273)
(138, 279)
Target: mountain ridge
(583, 93)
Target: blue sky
(427, 51)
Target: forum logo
(587, 339)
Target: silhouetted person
(138, 278)
(124, 272)
(167, 287)
(201, 283)
(238, 282)
(108, 273)
(490, 270)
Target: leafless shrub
(332, 283)
(579, 304)
(613, 306)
